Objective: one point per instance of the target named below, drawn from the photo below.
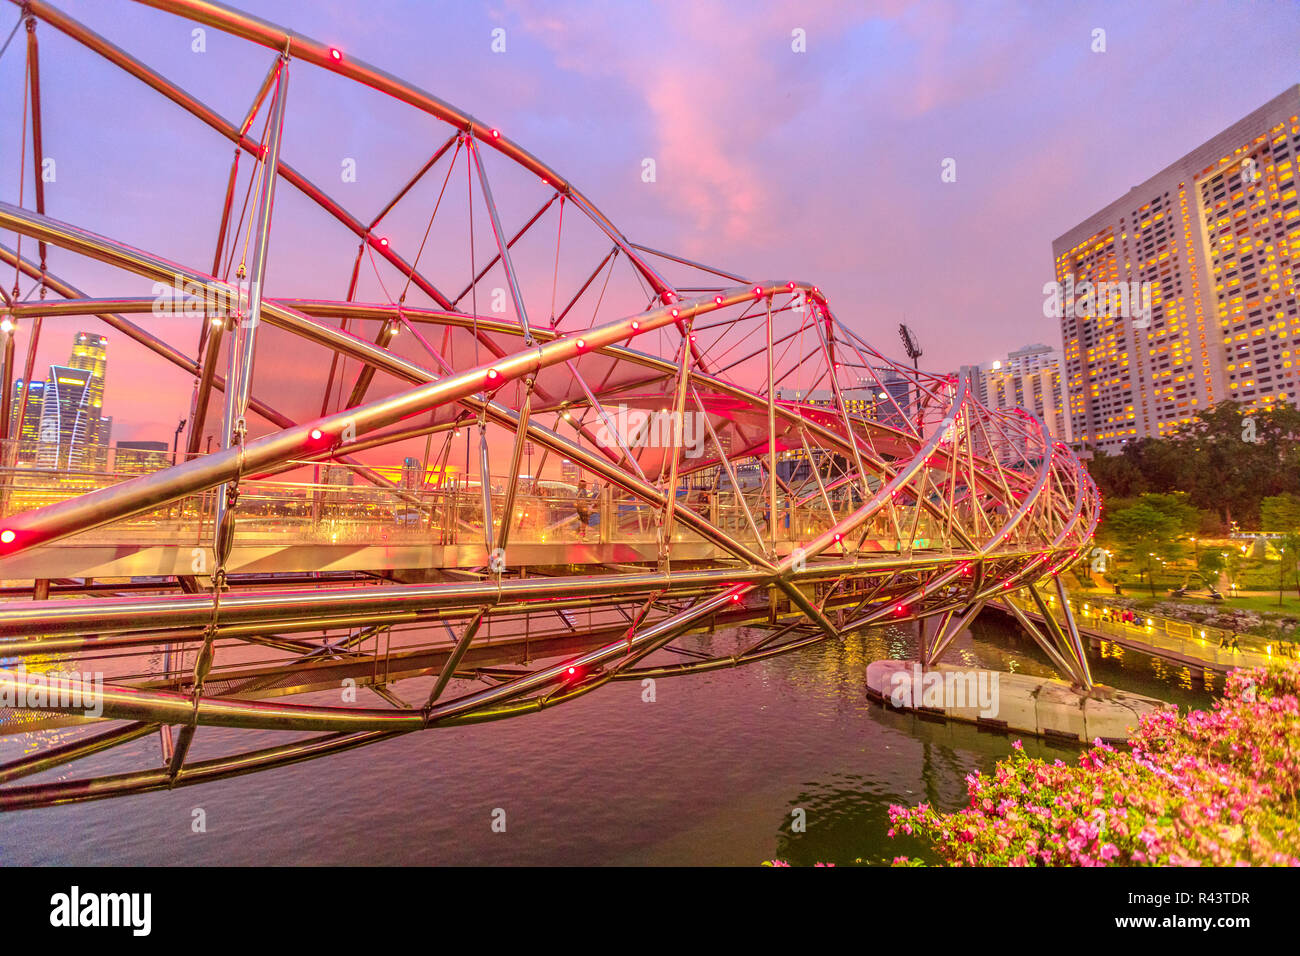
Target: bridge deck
(1175, 641)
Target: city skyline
(518, 433)
(885, 128)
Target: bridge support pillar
(41, 589)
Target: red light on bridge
(335, 54)
(493, 375)
(384, 241)
(758, 290)
(7, 536)
(495, 133)
(735, 598)
(316, 434)
(718, 299)
(838, 537)
(900, 609)
(675, 313)
(582, 344)
(790, 286)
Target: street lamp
(177, 437)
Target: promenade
(1179, 641)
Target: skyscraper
(1030, 378)
(1209, 248)
(90, 354)
(29, 421)
(65, 419)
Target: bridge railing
(344, 509)
(1210, 644)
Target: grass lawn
(1256, 579)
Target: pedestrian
(580, 506)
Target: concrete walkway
(1172, 640)
(1011, 703)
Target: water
(710, 773)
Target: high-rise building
(29, 422)
(411, 479)
(1183, 293)
(65, 419)
(1030, 378)
(900, 390)
(90, 354)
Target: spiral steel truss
(802, 486)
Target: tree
(1210, 563)
(1145, 534)
(1228, 459)
(1176, 507)
(1280, 513)
(1288, 559)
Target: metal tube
(453, 661)
(1072, 634)
(503, 247)
(771, 437)
(269, 609)
(516, 456)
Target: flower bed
(1216, 787)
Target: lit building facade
(29, 421)
(1213, 242)
(90, 354)
(65, 419)
(1030, 378)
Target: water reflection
(707, 774)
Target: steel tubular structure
(742, 474)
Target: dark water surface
(709, 773)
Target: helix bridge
(457, 448)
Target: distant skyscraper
(1030, 378)
(65, 419)
(29, 427)
(900, 389)
(90, 354)
(1214, 239)
(410, 473)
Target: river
(711, 772)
